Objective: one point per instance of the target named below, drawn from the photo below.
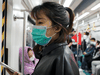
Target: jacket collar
(51, 47)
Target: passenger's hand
(70, 44)
(84, 53)
(15, 73)
(11, 73)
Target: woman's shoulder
(63, 51)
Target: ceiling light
(80, 17)
(67, 3)
(36, 2)
(96, 7)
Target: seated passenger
(29, 60)
(97, 44)
(97, 47)
(89, 51)
(96, 55)
(95, 68)
(88, 54)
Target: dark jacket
(56, 59)
(89, 55)
(97, 49)
(83, 46)
(90, 51)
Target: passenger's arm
(90, 52)
(86, 50)
(69, 44)
(97, 55)
(11, 73)
(15, 73)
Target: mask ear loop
(46, 31)
(48, 27)
(62, 26)
(53, 35)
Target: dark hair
(29, 50)
(59, 16)
(98, 42)
(93, 39)
(72, 30)
(87, 33)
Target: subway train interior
(21, 34)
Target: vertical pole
(23, 45)
(77, 35)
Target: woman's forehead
(40, 16)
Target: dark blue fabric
(89, 55)
(90, 50)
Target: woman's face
(43, 20)
(52, 31)
(30, 53)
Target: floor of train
(83, 72)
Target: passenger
(53, 23)
(74, 44)
(95, 68)
(29, 61)
(97, 44)
(88, 54)
(85, 41)
(96, 55)
(97, 47)
(69, 38)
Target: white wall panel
(14, 34)
(9, 27)
(14, 39)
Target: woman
(53, 24)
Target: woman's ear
(57, 29)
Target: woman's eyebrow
(41, 18)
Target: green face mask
(39, 35)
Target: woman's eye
(40, 23)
